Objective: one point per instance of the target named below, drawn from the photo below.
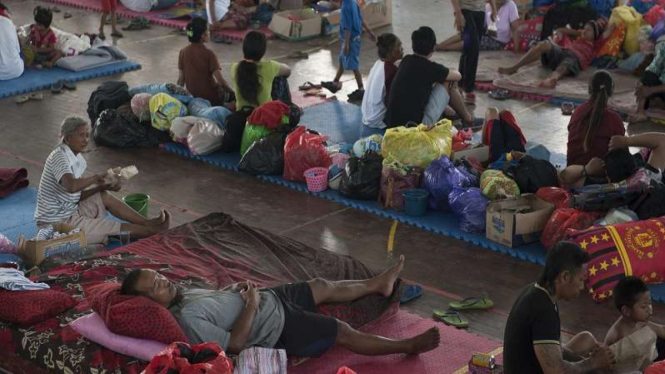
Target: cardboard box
(34, 252)
(377, 13)
(482, 154)
(506, 225)
(308, 25)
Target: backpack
(110, 95)
(532, 174)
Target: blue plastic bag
(470, 205)
(439, 179)
(171, 89)
(202, 108)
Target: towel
(15, 280)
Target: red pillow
(30, 307)
(134, 316)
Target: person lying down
(284, 317)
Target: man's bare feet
(548, 83)
(157, 220)
(507, 71)
(425, 342)
(166, 224)
(387, 278)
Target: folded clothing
(12, 180)
(15, 280)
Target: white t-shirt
(11, 64)
(221, 8)
(506, 15)
(373, 107)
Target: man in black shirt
(422, 89)
(532, 340)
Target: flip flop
(499, 94)
(453, 318)
(308, 86)
(298, 55)
(330, 86)
(36, 96)
(69, 85)
(57, 87)
(67, 15)
(472, 303)
(117, 34)
(313, 92)
(22, 99)
(567, 108)
(413, 291)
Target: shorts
(558, 56)
(306, 332)
(488, 43)
(350, 61)
(109, 5)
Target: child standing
(42, 38)
(109, 7)
(350, 29)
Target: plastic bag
(362, 176)
(251, 134)
(496, 185)
(205, 137)
(202, 108)
(632, 19)
(555, 195)
(6, 245)
(303, 150)
(180, 128)
(417, 146)
(394, 182)
(163, 109)
(271, 115)
(265, 156)
(370, 143)
(182, 358)
(618, 215)
(439, 179)
(141, 106)
(121, 129)
(470, 205)
(563, 219)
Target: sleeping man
(284, 317)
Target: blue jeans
(438, 101)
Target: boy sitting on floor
(633, 336)
(564, 61)
(42, 38)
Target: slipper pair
(221, 39)
(25, 98)
(454, 318)
(307, 86)
(136, 24)
(298, 55)
(60, 85)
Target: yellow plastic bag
(495, 185)
(417, 146)
(633, 20)
(163, 109)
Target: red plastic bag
(657, 368)
(563, 219)
(207, 358)
(654, 15)
(558, 196)
(302, 151)
(345, 370)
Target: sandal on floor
(472, 303)
(567, 108)
(308, 86)
(221, 39)
(356, 95)
(57, 87)
(298, 55)
(331, 86)
(117, 34)
(36, 96)
(67, 15)
(22, 99)
(499, 94)
(453, 319)
(69, 85)
(413, 291)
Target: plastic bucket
(317, 179)
(138, 202)
(415, 201)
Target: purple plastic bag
(6, 245)
(439, 179)
(470, 205)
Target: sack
(163, 109)
(394, 182)
(495, 185)
(362, 177)
(235, 127)
(261, 360)
(563, 219)
(470, 205)
(417, 146)
(603, 197)
(141, 106)
(203, 109)
(182, 358)
(265, 156)
(170, 89)
(205, 137)
(304, 150)
(251, 134)
(632, 19)
(439, 179)
(109, 95)
(557, 196)
(180, 128)
(121, 129)
(532, 174)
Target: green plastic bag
(163, 109)
(417, 146)
(251, 134)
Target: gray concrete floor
(448, 268)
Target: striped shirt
(54, 203)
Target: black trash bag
(361, 179)
(110, 95)
(652, 203)
(265, 156)
(235, 127)
(294, 115)
(532, 174)
(121, 129)
(281, 91)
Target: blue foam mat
(35, 80)
(341, 122)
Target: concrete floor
(449, 269)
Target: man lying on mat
(532, 340)
(285, 317)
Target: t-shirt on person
(610, 125)
(376, 93)
(11, 64)
(411, 89)
(209, 316)
(198, 63)
(584, 50)
(533, 320)
(506, 15)
(54, 203)
(221, 8)
(268, 71)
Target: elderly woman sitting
(65, 196)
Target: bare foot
(387, 278)
(548, 83)
(157, 220)
(425, 342)
(507, 71)
(166, 224)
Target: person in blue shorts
(350, 29)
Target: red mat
(240, 34)
(299, 98)
(452, 356)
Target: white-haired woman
(65, 196)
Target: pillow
(134, 316)
(612, 46)
(27, 308)
(92, 327)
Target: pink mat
(240, 34)
(453, 355)
(299, 98)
